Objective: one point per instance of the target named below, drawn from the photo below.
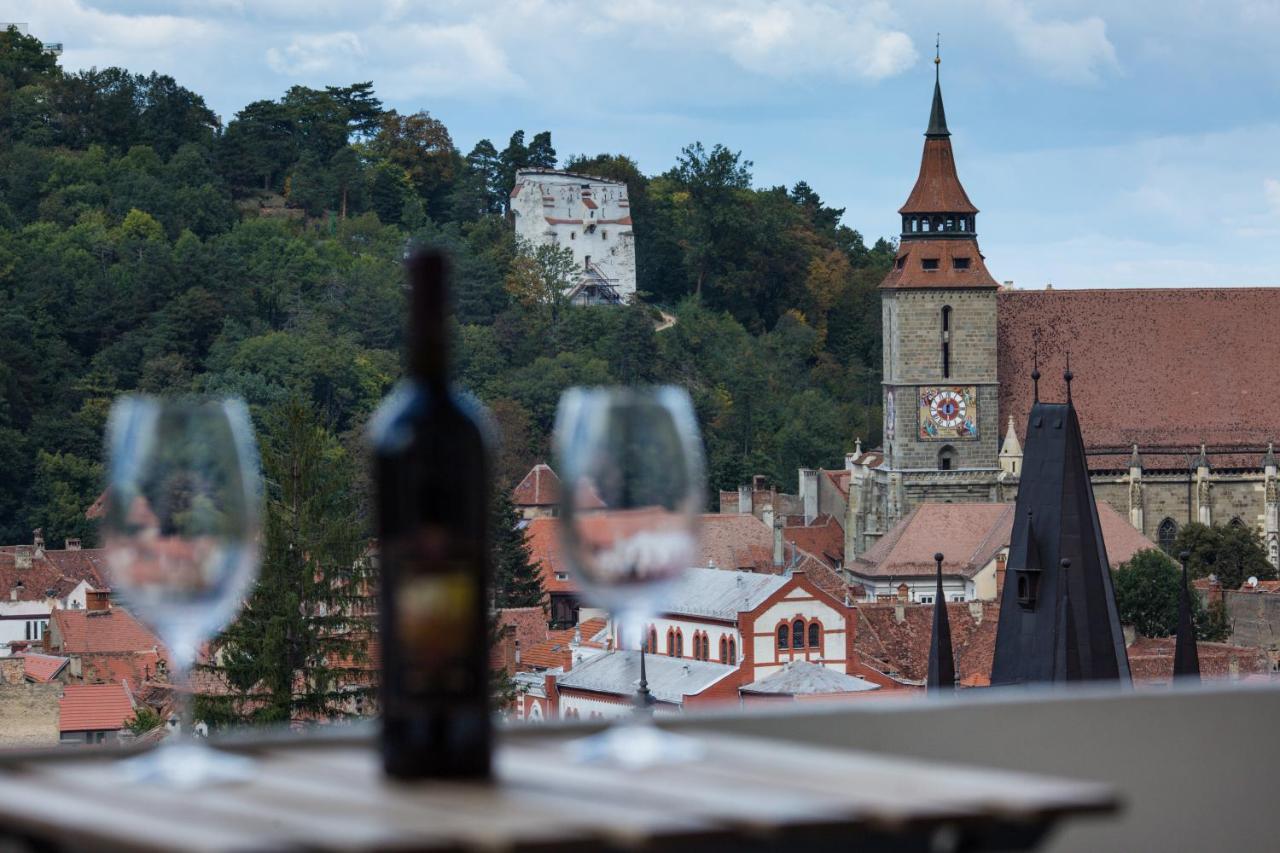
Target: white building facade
(591, 217)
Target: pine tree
(516, 580)
(298, 647)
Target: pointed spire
(942, 665)
(1269, 460)
(937, 115)
(1035, 371)
(1186, 658)
(1011, 445)
(644, 699)
(1202, 461)
(1135, 461)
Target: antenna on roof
(1068, 376)
(1035, 370)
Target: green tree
(516, 580)
(1147, 590)
(23, 59)
(1232, 552)
(143, 720)
(299, 642)
(540, 154)
(421, 146)
(542, 276)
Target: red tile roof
(557, 651)
(543, 536)
(1151, 660)
(901, 648)
(114, 630)
(1213, 352)
(94, 707)
(114, 667)
(540, 487)
(41, 668)
(58, 572)
(908, 267)
(938, 188)
(823, 538)
(969, 535)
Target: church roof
(938, 188)
(1200, 365)
(909, 268)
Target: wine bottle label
(435, 614)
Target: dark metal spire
(942, 664)
(644, 700)
(1186, 658)
(1035, 371)
(937, 115)
(1068, 376)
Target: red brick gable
(1199, 365)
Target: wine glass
(631, 468)
(181, 532)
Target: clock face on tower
(949, 412)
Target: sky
(1107, 144)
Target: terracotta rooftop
(938, 188)
(58, 572)
(543, 536)
(41, 668)
(94, 707)
(970, 535)
(557, 649)
(900, 648)
(909, 270)
(540, 487)
(89, 631)
(823, 538)
(114, 667)
(1151, 660)
(1213, 352)
(840, 478)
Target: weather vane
(937, 49)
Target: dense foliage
(1232, 552)
(145, 246)
(1147, 590)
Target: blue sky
(1108, 145)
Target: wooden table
(746, 794)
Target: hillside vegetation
(145, 246)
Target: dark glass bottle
(431, 476)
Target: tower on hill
(1058, 617)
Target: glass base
(186, 764)
(635, 745)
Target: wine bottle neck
(429, 321)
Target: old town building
(1181, 432)
(589, 216)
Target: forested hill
(145, 246)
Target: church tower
(939, 323)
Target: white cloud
(311, 54)
(1076, 51)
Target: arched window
(733, 652)
(679, 643)
(784, 635)
(724, 649)
(1236, 522)
(815, 635)
(671, 642)
(797, 634)
(946, 458)
(697, 645)
(946, 341)
(653, 640)
(1166, 533)
(706, 646)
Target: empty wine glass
(631, 469)
(181, 531)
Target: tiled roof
(41, 668)
(670, 679)
(1214, 352)
(94, 707)
(969, 535)
(540, 487)
(802, 678)
(114, 630)
(1151, 660)
(114, 667)
(901, 648)
(528, 623)
(840, 478)
(557, 649)
(543, 536)
(908, 267)
(720, 594)
(734, 541)
(56, 572)
(938, 188)
(823, 538)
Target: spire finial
(937, 115)
(937, 54)
(1068, 376)
(1035, 370)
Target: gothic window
(653, 640)
(733, 652)
(797, 634)
(724, 649)
(671, 643)
(946, 341)
(784, 636)
(815, 635)
(1236, 522)
(946, 458)
(1166, 533)
(679, 643)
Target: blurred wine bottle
(431, 478)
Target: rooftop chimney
(98, 600)
(744, 500)
(72, 544)
(37, 541)
(778, 558)
(22, 557)
(757, 482)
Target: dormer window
(960, 263)
(901, 262)
(929, 264)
